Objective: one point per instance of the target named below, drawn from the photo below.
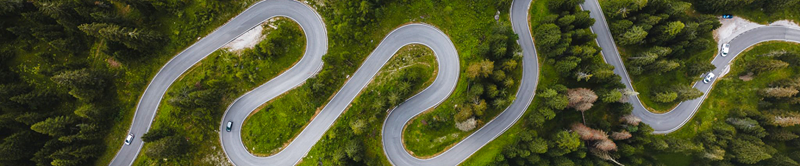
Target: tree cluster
(592, 95)
(665, 29)
(750, 137)
(565, 40)
(57, 96)
(491, 78)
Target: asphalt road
(678, 116)
(397, 118)
(316, 46)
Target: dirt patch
(250, 38)
(747, 77)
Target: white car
(708, 78)
(129, 139)
(725, 48)
(229, 126)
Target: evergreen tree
(634, 36)
(764, 65)
(168, 147)
(55, 126)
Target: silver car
(725, 48)
(129, 139)
(708, 78)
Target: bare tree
(587, 133)
(605, 145)
(581, 99)
(631, 119)
(622, 135)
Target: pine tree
(665, 97)
(83, 78)
(168, 147)
(686, 93)
(138, 39)
(778, 92)
(662, 66)
(764, 65)
(634, 36)
(55, 126)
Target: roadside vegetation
(756, 97)
(759, 11)
(665, 45)
(573, 120)
(492, 83)
(348, 49)
(356, 136)
(185, 131)
(76, 69)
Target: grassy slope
(219, 65)
(182, 31)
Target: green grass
(202, 133)
(133, 77)
(645, 83)
(266, 133)
(731, 92)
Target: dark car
(727, 16)
(228, 126)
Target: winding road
(444, 84)
(396, 120)
(678, 116)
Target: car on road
(725, 48)
(727, 16)
(708, 78)
(129, 139)
(228, 126)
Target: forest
(72, 71)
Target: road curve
(397, 118)
(678, 116)
(440, 89)
(311, 63)
(316, 46)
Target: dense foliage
(664, 37)
(593, 106)
(63, 67)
